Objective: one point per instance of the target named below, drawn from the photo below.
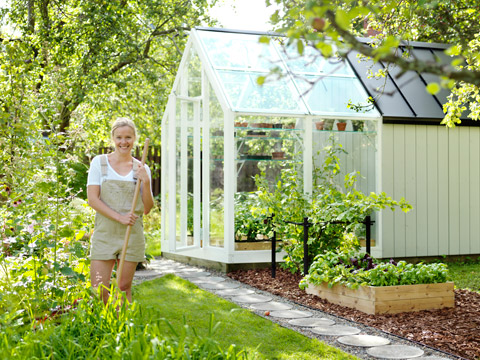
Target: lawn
(466, 275)
(182, 302)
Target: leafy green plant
(354, 269)
(248, 221)
(335, 212)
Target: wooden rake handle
(132, 210)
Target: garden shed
(221, 128)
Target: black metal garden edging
(368, 222)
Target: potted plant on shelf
(319, 125)
(357, 125)
(328, 124)
(341, 125)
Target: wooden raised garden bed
(388, 299)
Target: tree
(337, 24)
(62, 55)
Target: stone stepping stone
(168, 271)
(219, 286)
(251, 299)
(395, 352)
(191, 274)
(207, 279)
(311, 322)
(291, 314)
(271, 306)
(363, 340)
(235, 292)
(187, 269)
(335, 330)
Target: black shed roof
(405, 99)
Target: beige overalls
(109, 235)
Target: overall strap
(104, 166)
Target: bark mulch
(454, 330)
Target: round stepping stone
(191, 274)
(251, 299)
(218, 286)
(395, 352)
(235, 292)
(363, 340)
(207, 279)
(291, 314)
(271, 306)
(335, 330)
(311, 322)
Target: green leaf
(260, 80)
(300, 47)
(433, 88)
(454, 50)
(264, 39)
(342, 19)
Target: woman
(110, 190)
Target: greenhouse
(221, 130)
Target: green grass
(465, 275)
(180, 301)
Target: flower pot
(290, 126)
(319, 125)
(277, 126)
(388, 299)
(341, 126)
(240, 124)
(278, 155)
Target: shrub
(328, 203)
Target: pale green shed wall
(438, 171)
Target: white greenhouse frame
(175, 123)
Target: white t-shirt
(95, 173)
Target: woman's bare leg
(100, 274)
(125, 283)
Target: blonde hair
(123, 121)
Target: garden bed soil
(453, 330)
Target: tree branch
(468, 76)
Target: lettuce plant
(353, 269)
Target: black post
(368, 223)
(274, 250)
(306, 264)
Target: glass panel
(238, 51)
(332, 94)
(217, 165)
(312, 62)
(265, 146)
(194, 74)
(190, 176)
(246, 95)
(359, 142)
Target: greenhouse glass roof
(309, 85)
